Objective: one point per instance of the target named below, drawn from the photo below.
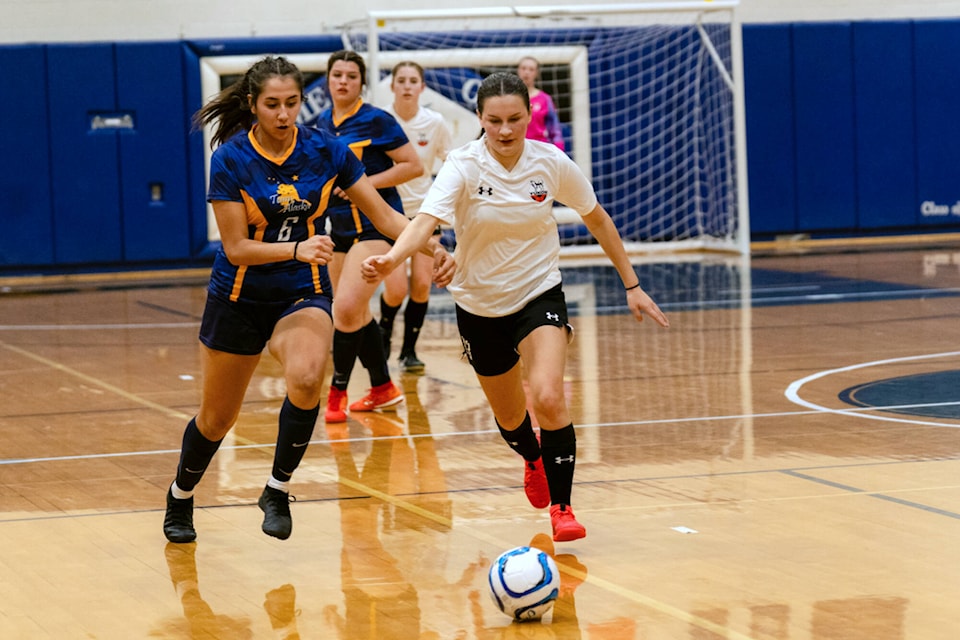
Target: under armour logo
(559, 460)
(554, 317)
(466, 349)
(485, 191)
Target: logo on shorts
(466, 349)
(553, 317)
(539, 193)
(560, 460)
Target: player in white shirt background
(430, 136)
(498, 194)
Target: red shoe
(535, 484)
(385, 395)
(565, 525)
(336, 406)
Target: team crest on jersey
(422, 140)
(539, 193)
(289, 200)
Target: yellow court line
(497, 543)
(867, 241)
(167, 411)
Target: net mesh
(645, 101)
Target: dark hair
(502, 83)
(348, 56)
(231, 107)
(407, 63)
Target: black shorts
(244, 328)
(344, 233)
(490, 344)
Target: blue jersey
(370, 132)
(285, 200)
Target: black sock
(559, 458)
(413, 316)
(370, 350)
(388, 314)
(522, 439)
(345, 346)
(296, 428)
(196, 452)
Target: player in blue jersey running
(270, 186)
(389, 159)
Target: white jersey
(508, 246)
(429, 135)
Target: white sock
(279, 485)
(179, 493)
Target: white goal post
(650, 96)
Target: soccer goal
(650, 97)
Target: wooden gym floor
(783, 463)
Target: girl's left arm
(601, 226)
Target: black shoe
(275, 505)
(411, 363)
(178, 521)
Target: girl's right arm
(416, 235)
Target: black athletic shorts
(244, 328)
(490, 344)
(342, 241)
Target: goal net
(649, 97)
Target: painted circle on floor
(928, 398)
(934, 395)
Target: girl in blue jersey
(270, 186)
(389, 159)
(498, 194)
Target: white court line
(458, 434)
(793, 392)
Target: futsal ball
(524, 582)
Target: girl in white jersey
(429, 135)
(498, 194)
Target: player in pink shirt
(544, 121)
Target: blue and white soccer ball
(524, 582)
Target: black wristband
(296, 245)
(633, 287)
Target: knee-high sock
(372, 356)
(522, 439)
(413, 316)
(559, 459)
(196, 452)
(345, 346)
(295, 430)
(388, 314)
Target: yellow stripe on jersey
(325, 192)
(255, 218)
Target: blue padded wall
(85, 169)
(26, 206)
(937, 64)
(196, 170)
(826, 168)
(771, 147)
(156, 226)
(884, 109)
